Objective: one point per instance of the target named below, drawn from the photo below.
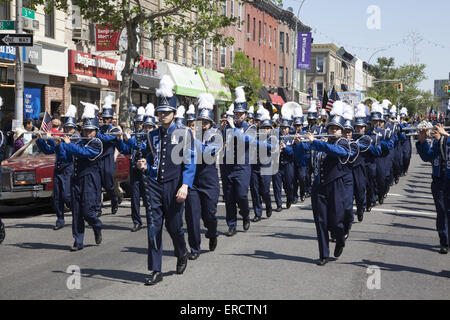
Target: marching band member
(438, 154)
(130, 147)
(285, 175)
(190, 117)
(106, 160)
(203, 197)
(179, 116)
(405, 141)
(86, 180)
(312, 118)
(397, 154)
(389, 158)
(260, 180)
(250, 115)
(302, 159)
(237, 174)
(349, 191)
(168, 182)
(63, 166)
(328, 188)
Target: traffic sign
(28, 13)
(16, 40)
(7, 25)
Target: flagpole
(295, 48)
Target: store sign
(146, 67)
(106, 39)
(7, 53)
(90, 65)
(33, 55)
(32, 103)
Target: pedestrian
(348, 176)
(327, 193)
(85, 183)
(63, 168)
(168, 181)
(108, 135)
(239, 136)
(19, 138)
(202, 199)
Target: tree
(410, 75)
(183, 19)
(241, 73)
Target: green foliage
(414, 99)
(241, 73)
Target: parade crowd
(349, 156)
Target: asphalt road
(275, 259)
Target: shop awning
(187, 81)
(264, 94)
(145, 82)
(213, 83)
(276, 99)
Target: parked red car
(28, 177)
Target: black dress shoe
(380, 200)
(443, 250)
(193, 256)
(246, 224)
(256, 219)
(288, 205)
(75, 248)
(99, 214)
(98, 237)
(295, 201)
(114, 208)
(212, 244)
(338, 251)
(396, 180)
(57, 227)
(155, 277)
(360, 216)
(278, 209)
(302, 198)
(136, 227)
(231, 232)
(268, 212)
(182, 264)
(322, 262)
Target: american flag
(332, 99)
(46, 125)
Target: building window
(253, 63)
(320, 64)
(287, 43)
(223, 56)
(50, 24)
(259, 33)
(195, 59)
(287, 77)
(259, 68)
(175, 49)
(319, 87)
(248, 23)
(232, 9)
(264, 71)
(254, 28)
(270, 31)
(264, 34)
(274, 73)
(231, 55)
(332, 77)
(270, 72)
(240, 16)
(281, 41)
(281, 77)
(224, 8)
(274, 37)
(166, 47)
(5, 13)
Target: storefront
(213, 84)
(145, 82)
(91, 79)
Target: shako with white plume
(140, 114)
(240, 103)
(149, 118)
(312, 111)
(205, 107)
(377, 112)
(336, 115)
(190, 113)
(107, 109)
(360, 115)
(89, 117)
(70, 118)
(349, 113)
(179, 116)
(167, 101)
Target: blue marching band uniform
(335, 172)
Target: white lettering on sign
(92, 62)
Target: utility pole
(19, 66)
(294, 56)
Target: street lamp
(294, 48)
(368, 63)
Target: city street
(275, 259)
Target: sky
(347, 23)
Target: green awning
(213, 83)
(187, 81)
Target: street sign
(16, 40)
(28, 13)
(7, 25)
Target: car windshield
(29, 149)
